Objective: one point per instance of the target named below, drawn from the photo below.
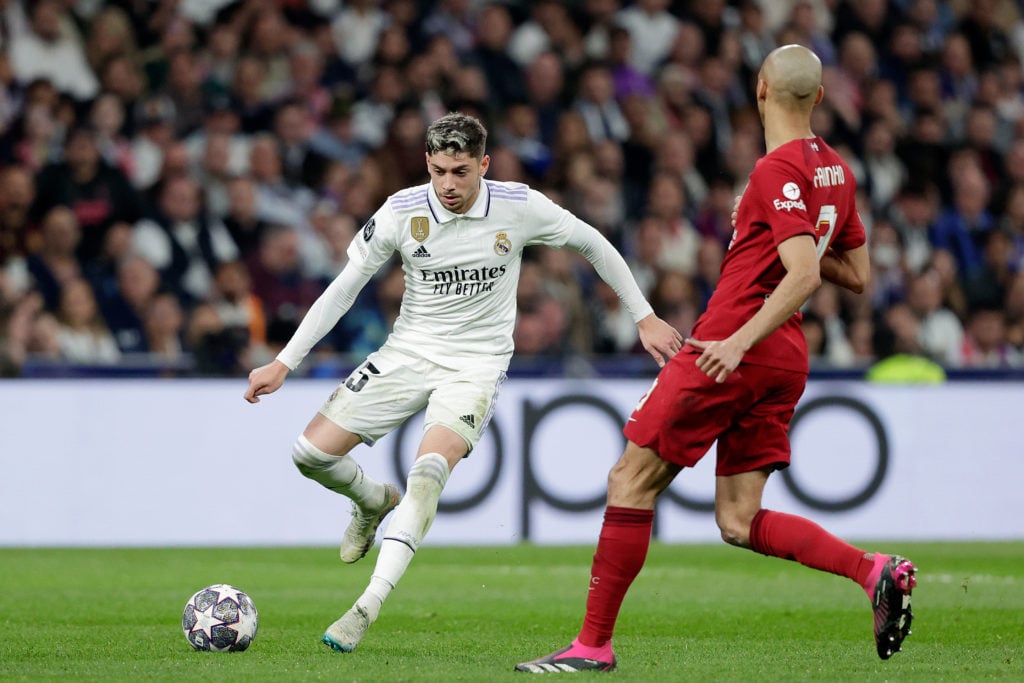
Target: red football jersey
(801, 188)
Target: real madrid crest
(420, 228)
(502, 244)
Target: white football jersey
(461, 270)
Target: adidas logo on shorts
(470, 420)
(421, 252)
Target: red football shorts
(685, 411)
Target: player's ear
(820, 96)
(762, 89)
(485, 164)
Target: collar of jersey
(481, 207)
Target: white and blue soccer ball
(220, 618)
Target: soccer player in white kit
(461, 241)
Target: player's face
(456, 179)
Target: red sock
(797, 538)
(621, 551)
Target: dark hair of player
(455, 134)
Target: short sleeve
(852, 234)
(778, 191)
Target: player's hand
(719, 358)
(660, 339)
(736, 208)
(266, 380)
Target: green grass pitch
(696, 613)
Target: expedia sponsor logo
(789, 204)
(463, 281)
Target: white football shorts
(389, 387)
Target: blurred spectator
(680, 241)
(54, 265)
(885, 172)
(1014, 307)
(913, 216)
(596, 103)
(491, 54)
(824, 307)
(356, 30)
(986, 287)
(541, 323)
(940, 333)
(277, 277)
(545, 84)
(985, 341)
(628, 79)
(372, 115)
(242, 218)
(182, 242)
(653, 30)
(124, 308)
(520, 132)
(453, 19)
(888, 274)
(301, 165)
(614, 329)
(962, 227)
(17, 233)
(99, 194)
(216, 348)
(154, 123)
(83, 336)
(561, 271)
(51, 48)
(336, 139)
(110, 35)
(533, 36)
(401, 157)
(644, 253)
(277, 201)
(165, 327)
(253, 108)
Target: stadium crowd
(181, 178)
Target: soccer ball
(220, 618)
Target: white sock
(408, 525)
(340, 473)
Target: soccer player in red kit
(739, 377)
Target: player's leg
(633, 485)
(376, 397)
(458, 411)
(886, 579)
(747, 454)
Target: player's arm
(322, 316)
(803, 276)
(850, 269)
(660, 339)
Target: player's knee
(733, 530)
(308, 458)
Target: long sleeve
(324, 314)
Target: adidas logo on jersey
(470, 420)
(421, 252)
